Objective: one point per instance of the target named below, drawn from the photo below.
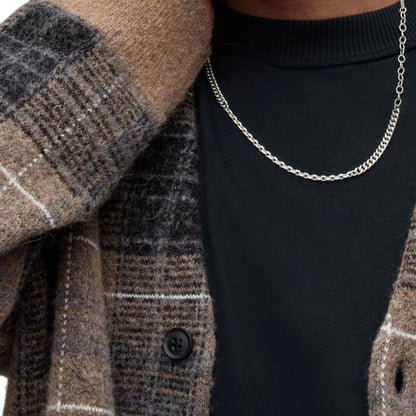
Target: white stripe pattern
(83, 408)
(164, 242)
(31, 198)
(158, 296)
(383, 365)
(68, 271)
(67, 130)
(86, 241)
(24, 170)
(394, 331)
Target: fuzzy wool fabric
(100, 237)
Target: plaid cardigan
(100, 243)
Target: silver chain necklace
(357, 170)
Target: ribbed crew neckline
(313, 43)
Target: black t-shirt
(301, 271)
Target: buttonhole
(399, 379)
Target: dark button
(177, 343)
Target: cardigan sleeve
(84, 87)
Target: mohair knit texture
(101, 249)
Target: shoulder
(84, 88)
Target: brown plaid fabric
(101, 249)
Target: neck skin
(306, 9)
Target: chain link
(357, 170)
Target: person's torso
(301, 271)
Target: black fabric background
(301, 271)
